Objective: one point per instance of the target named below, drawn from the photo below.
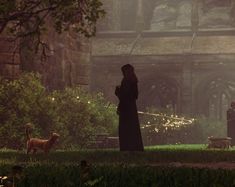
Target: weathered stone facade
(186, 69)
(9, 58)
(69, 61)
(67, 64)
(183, 52)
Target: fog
(182, 50)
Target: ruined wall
(67, 62)
(189, 73)
(165, 15)
(9, 58)
(197, 80)
(120, 15)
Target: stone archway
(162, 92)
(215, 95)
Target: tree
(24, 19)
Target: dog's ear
(28, 125)
(55, 134)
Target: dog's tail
(28, 126)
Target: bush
(74, 113)
(82, 115)
(78, 116)
(19, 103)
(211, 127)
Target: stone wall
(9, 58)
(67, 64)
(165, 43)
(120, 15)
(190, 75)
(165, 15)
(194, 68)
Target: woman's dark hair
(129, 73)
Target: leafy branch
(29, 19)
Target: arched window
(214, 99)
(160, 93)
(220, 92)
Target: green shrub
(82, 115)
(211, 127)
(78, 116)
(19, 103)
(74, 113)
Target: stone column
(139, 16)
(194, 16)
(116, 15)
(186, 102)
(9, 58)
(232, 15)
(69, 64)
(76, 59)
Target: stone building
(183, 52)
(9, 58)
(67, 62)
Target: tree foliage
(30, 18)
(73, 113)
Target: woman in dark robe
(129, 127)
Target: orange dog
(36, 143)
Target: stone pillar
(232, 14)
(139, 16)
(186, 94)
(68, 63)
(82, 63)
(73, 60)
(194, 16)
(9, 58)
(116, 16)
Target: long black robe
(129, 128)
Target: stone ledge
(116, 34)
(181, 45)
(168, 33)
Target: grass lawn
(157, 166)
(187, 153)
(189, 147)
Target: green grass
(115, 168)
(151, 155)
(177, 147)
